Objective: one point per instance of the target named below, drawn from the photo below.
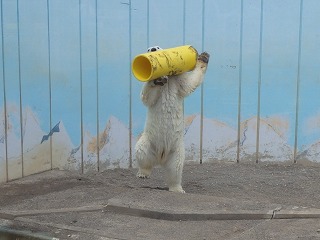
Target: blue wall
(68, 98)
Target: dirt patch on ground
(295, 185)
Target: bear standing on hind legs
(161, 142)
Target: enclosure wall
(68, 98)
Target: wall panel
(278, 80)
(222, 31)
(34, 85)
(193, 35)
(65, 82)
(89, 106)
(309, 101)
(11, 60)
(114, 82)
(139, 44)
(248, 81)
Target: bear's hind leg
(174, 167)
(144, 157)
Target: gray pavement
(223, 201)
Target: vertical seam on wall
(298, 86)
(183, 42)
(81, 87)
(130, 89)
(148, 23)
(4, 98)
(240, 84)
(202, 85)
(97, 91)
(184, 23)
(259, 84)
(50, 93)
(20, 93)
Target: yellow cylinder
(166, 62)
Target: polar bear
(161, 142)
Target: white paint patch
(216, 137)
(312, 125)
(272, 144)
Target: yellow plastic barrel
(166, 62)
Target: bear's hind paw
(140, 175)
(176, 189)
(143, 173)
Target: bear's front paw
(204, 57)
(161, 81)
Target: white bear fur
(161, 142)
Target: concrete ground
(223, 201)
